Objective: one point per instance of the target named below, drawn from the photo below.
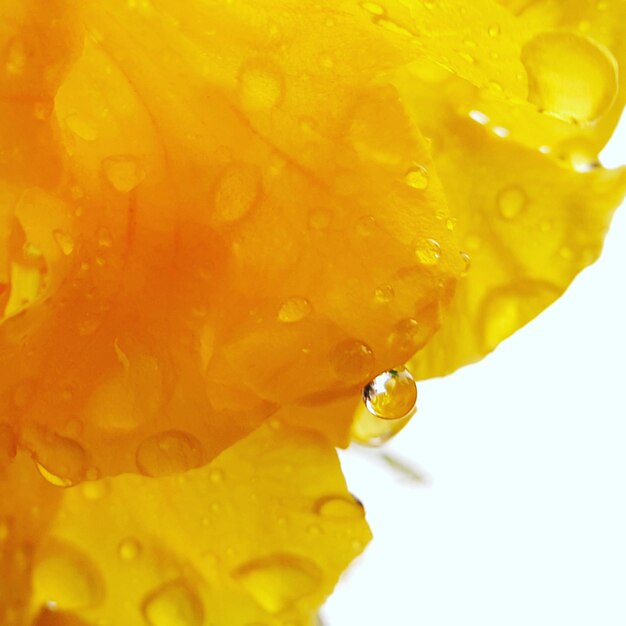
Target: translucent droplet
(512, 201)
(407, 336)
(261, 85)
(61, 461)
(570, 76)
(129, 549)
(428, 252)
(466, 259)
(391, 395)
(170, 452)
(384, 294)
(123, 171)
(236, 193)
(173, 604)
(294, 310)
(276, 582)
(339, 507)
(369, 430)
(67, 578)
(65, 242)
(494, 30)
(417, 177)
(353, 361)
(95, 490)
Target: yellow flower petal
(259, 536)
(529, 222)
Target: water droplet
(294, 310)
(417, 177)
(65, 241)
(494, 30)
(105, 238)
(170, 452)
(261, 85)
(339, 507)
(129, 549)
(428, 251)
(406, 336)
(173, 604)
(570, 76)
(276, 582)
(66, 577)
(123, 171)
(384, 294)
(353, 361)
(61, 461)
(512, 201)
(236, 192)
(391, 395)
(369, 430)
(466, 259)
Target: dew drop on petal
(512, 202)
(129, 549)
(352, 360)
(123, 172)
(391, 395)
(417, 177)
(278, 581)
(65, 241)
(294, 310)
(173, 604)
(570, 76)
(339, 507)
(428, 252)
(170, 452)
(66, 577)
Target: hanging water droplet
(276, 582)
(428, 252)
(173, 604)
(294, 310)
(352, 360)
(417, 177)
(236, 192)
(391, 395)
(570, 76)
(372, 431)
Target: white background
(522, 521)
